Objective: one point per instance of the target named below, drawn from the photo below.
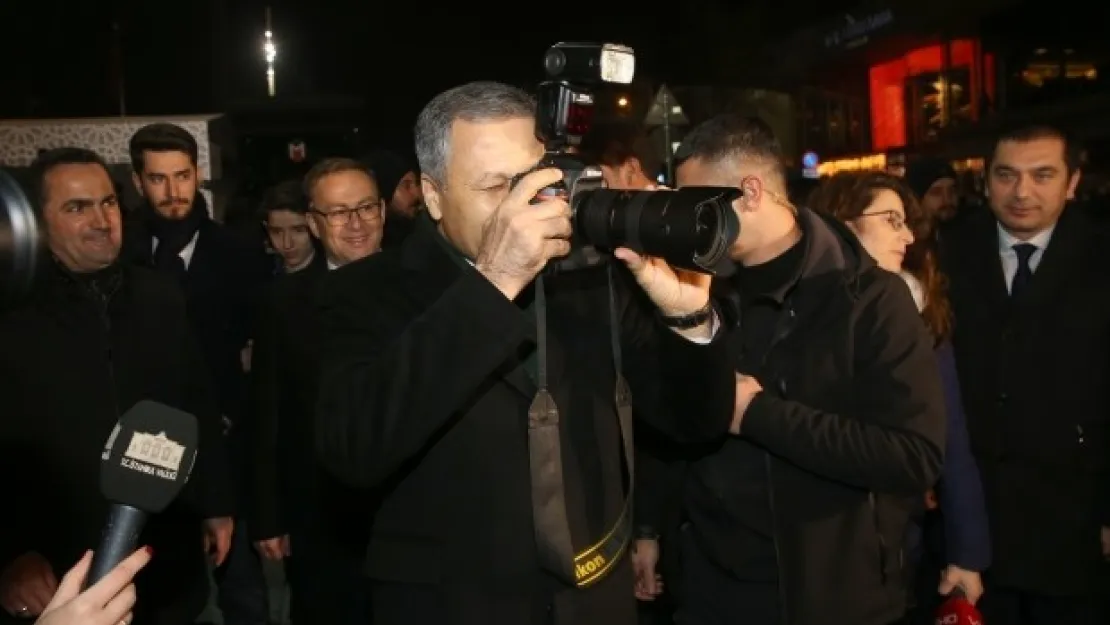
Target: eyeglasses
(896, 220)
(341, 215)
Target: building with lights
(890, 81)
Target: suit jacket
(425, 394)
(71, 365)
(290, 494)
(224, 279)
(1034, 375)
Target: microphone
(143, 467)
(957, 610)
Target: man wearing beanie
(399, 185)
(933, 181)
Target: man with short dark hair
(933, 181)
(487, 401)
(300, 515)
(1032, 305)
(284, 213)
(798, 518)
(346, 210)
(626, 155)
(97, 336)
(221, 275)
(399, 181)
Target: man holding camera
(484, 398)
(798, 518)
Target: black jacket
(69, 368)
(225, 279)
(1035, 376)
(425, 394)
(290, 493)
(851, 426)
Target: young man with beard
(400, 188)
(220, 275)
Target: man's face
(484, 157)
(169, 182)
(406, 197)
(941, 200)
(348, 216)
(82, 217)
(289, 235)
(1029, 184)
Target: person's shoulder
(384, 264)
(885, 307)
(376, 277)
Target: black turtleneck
(773, 278)
(746, 545)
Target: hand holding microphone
(107, 602)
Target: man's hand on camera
(519, 238)
(676, 292)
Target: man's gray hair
(475, 101)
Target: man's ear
(138, 182)
(1073, 184)
(752, 188)
(313, 226)
(430, 189)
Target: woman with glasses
(884, 215)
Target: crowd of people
(892, 402)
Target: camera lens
(19, 241)
(707, 227)
(691, 228)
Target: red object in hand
(957, 610)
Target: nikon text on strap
(549, 509)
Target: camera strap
(549, 508)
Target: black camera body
(691, 228)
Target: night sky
(61, 58)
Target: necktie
(1023, 277)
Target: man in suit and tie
(298, 514)
(1029, 286)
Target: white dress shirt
(1006, 243)
(186, 252)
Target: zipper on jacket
(783, 605)
(106, 327)
(878, 532)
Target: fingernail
(149, 550)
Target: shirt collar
(1007, 241)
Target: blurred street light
(269, 51)
(622, 102)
